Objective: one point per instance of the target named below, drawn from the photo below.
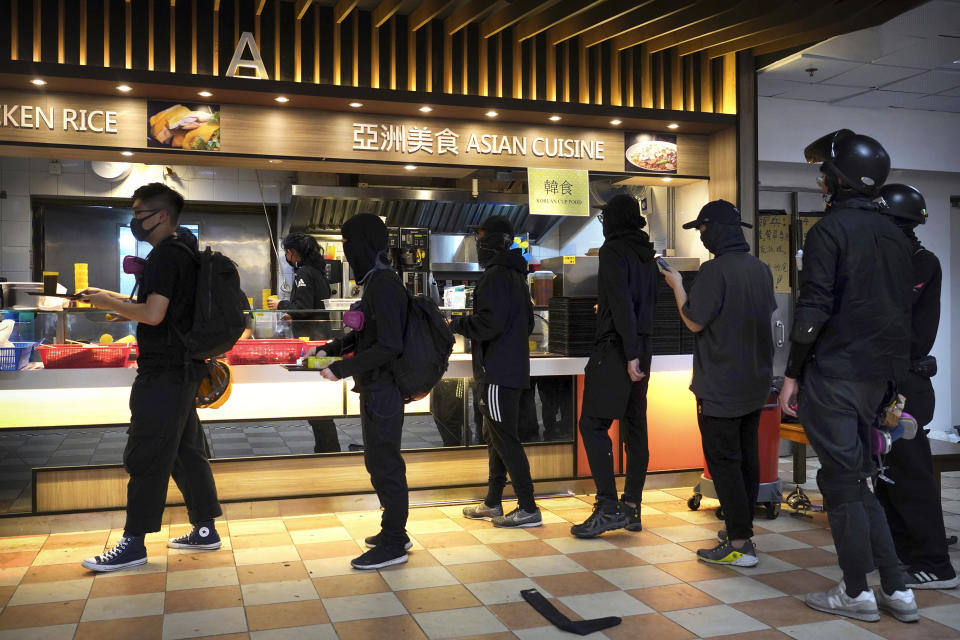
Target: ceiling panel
(820, 92)
(864, 46)
(939, 103)
(929, 53)
(795, 68)
(939, 16)
(929, 82)
(879, 99)
(873, 75)
(769, 86)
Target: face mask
(489, 246)
(293, 265)
(136, 227)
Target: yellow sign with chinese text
(559, 192)
(774, 248)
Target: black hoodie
(310, 289)
(501, 323)
(627, 286)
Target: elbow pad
(804, 332)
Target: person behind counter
(310, 289)
(729, 310)
(617, 374)
(375, 344)
(165, 436)
(912, 500)
(499, 328)
(850, 342)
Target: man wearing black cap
(850, 341)
(375, 346)
(729, 309)
(617, 373)
(499, 328)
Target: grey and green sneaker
(726, 553)
(482, 511)
(518, 518)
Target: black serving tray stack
(573, 326)
(670, 335)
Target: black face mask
(137, 229)
(489, 246)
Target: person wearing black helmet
(617, 374)
(850, 342)
(912, 500)
(499, 328)
(310, 289)
(375, 345)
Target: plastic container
(16, 357)
(266, 352)
(78, 356)
(542, 285)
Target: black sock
(855, 586)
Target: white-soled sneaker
(128, 552)
(837, 602)
(201, 538)
(920, 579)
(518, 518)
(482, 511)
(900, 604)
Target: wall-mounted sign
(559, 192)
(650, 152)
(174, 125)
(254, 63)
(50, 118)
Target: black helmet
(903, 203)
(303, 244)
(859, 162)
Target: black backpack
(219, 305)
(427, 345)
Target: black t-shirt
(732, 299)
(172, 273)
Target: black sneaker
(129, 552)
(379, 557)
(633, 516)
(726, 553)
(373, 541)
(202, 538)
(600, 521)
(919, 579)
(518, 518)
(722, 535)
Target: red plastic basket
(265, 352)
(78, 356)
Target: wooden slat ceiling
(654, 54)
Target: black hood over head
(512, 259)
(720, 238)
(364, 241)
(186, 236)
(623, 222)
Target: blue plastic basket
(16, 357)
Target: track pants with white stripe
(500, 407)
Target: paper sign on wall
(559, 192)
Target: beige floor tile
(353, 585)
(549, 517)
(503, 591)
(660, 553)
(673, 596)
(65, 555)
(418, 578)
(274, 592)
(22, 543)
(276, 572)
(637, 577)
(196, 624)
(55, 632)
(40, 592)
(253, 527)
(146, 628)
(557, 504)
(12, 576)
(328, 534)
(444, 525)
(484, 571)
(493, 535)
(715, 620)
(546, 565)
(325, 567)
(454, 511)
(741, 589)
(374, 605)
(128, 585)
(396, 628)
(437, 598)
(155, 564)
(313, 631)
(458, 622)
(600, 605)
(574, 584)
(572, 545)
(200, 578)
(47, 614)
(464, 555)
(136, 606)
(266, 555)
(202, 599)
(684, 533)
(286, 614)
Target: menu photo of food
(176, 125)
(650, 152)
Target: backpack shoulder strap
(177, 242)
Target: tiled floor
(280, 578)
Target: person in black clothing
(850, 342)
(165, 436)
(310, 289)
(499, 328)
(374, 348)
(912, 500)
(729, 309)
(617, 374)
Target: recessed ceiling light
(282, 99)
(616, 122)
(410, 167)
(555, 118)
(274, 161)
(125, 88)
(356, 105)
(492, 114)
(126, 153)
(673, 125)
(38, 82)
(204, 94)
(668, 179)
(426, 109)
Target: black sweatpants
(837, 416)
(599, 448)
(325, 438)
(501, 410)
(912, 503)
(556, 395)
(381, 419)
(164, 439)
(730, 448)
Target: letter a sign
(238, 61)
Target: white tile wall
(15, 233)
(15, 208)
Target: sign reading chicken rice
(176, 125)
(650, 152)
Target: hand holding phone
(664, 265)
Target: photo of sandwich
(183, 126)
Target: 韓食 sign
(559, 192)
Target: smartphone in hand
(663, 263)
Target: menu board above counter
(127, 124)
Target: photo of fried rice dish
(653, 155)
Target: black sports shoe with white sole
(919, 579)
(128, 552)
(201, 538)
(379, 557)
